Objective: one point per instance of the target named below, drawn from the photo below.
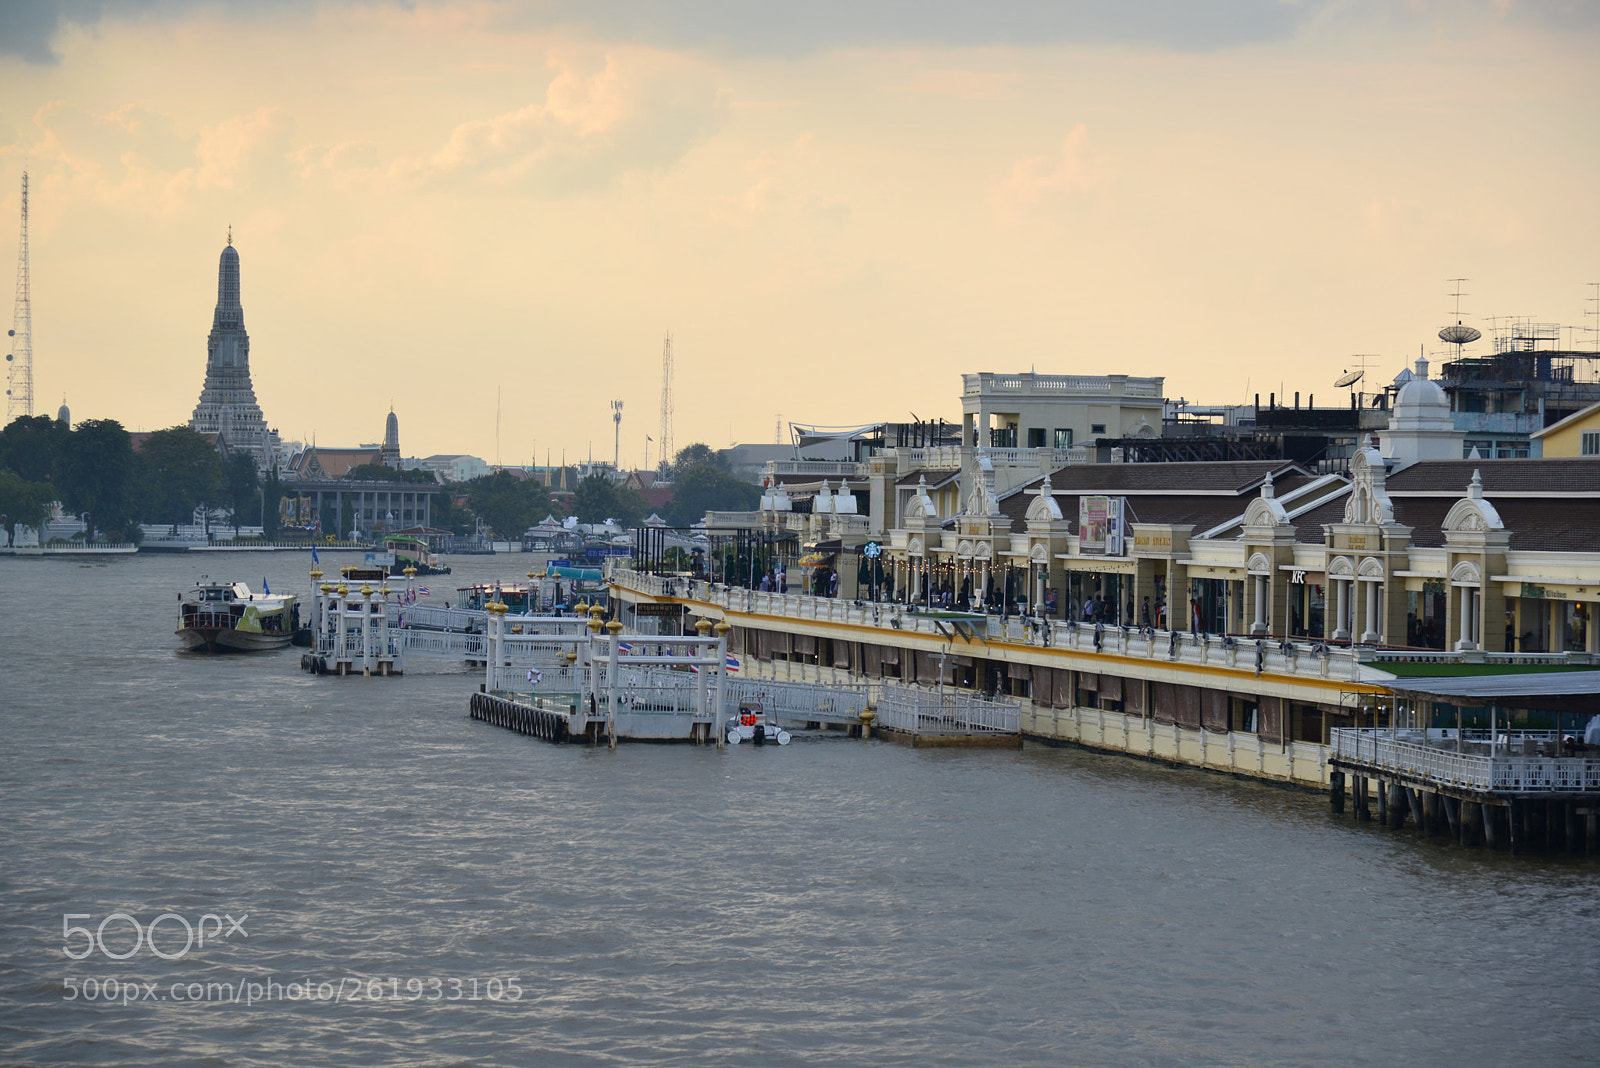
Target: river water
(830, 902)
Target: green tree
(447, 515)
(22, 502)
(380, 473)
(507, 503)
(595, 499)
(240, 480)
(698, 455)
(272, 490)
(177, 471)
(95, 474)
(30, 446)
(706, 488)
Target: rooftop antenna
(19, 353)
(616, 419)
(1593, 312)
(1459, 334)
(777, 430)
(666, 402)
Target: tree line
(93, 470)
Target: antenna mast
(666, 402)
(616, 418)
(19, 354)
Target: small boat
(750, 726)
(220, 617)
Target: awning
(1555, 691)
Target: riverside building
(1227, 615)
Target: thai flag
(424, 591)
(624, 647)
(732, 663)
(694, 669)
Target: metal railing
(919, 711)
(798, 702)
(1300, 658)
(1410, 753)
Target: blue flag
(314, 555)
(264, 587)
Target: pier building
(1230, 615)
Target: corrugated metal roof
(1501, 689)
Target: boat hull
(229, 640)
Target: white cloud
(1039, 180)
(601, 117)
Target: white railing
(803, 702)
(992, 383)
(919, 711)
(435, 617)
(824, 468)
(458, 645)
(1411, 753)
(1299, 658)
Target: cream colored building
(1576, 435)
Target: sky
(488, 215)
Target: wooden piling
(1397, 806)
(1336, 792)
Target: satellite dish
(1459, 334)
(1349, 378)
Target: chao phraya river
(830, 903)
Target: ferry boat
(217, 617)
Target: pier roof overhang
(1555, 691)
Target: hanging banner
(1100, 526)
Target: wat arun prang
(228, 405)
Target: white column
(1258, 622)
(1469, 628)
(717, 705)
(1341, 614)
(340, 636)
(1371, 595)
(366, 632)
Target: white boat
(217, 617)
(750, 726)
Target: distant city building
(64, 415)
(454, 467)
(228, 405)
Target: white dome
(1421, 393)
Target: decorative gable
(1473, 513)
(1368, 501)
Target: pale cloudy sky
(836, 208)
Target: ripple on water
(825, 903)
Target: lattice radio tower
(666, 403)
(19, 355)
